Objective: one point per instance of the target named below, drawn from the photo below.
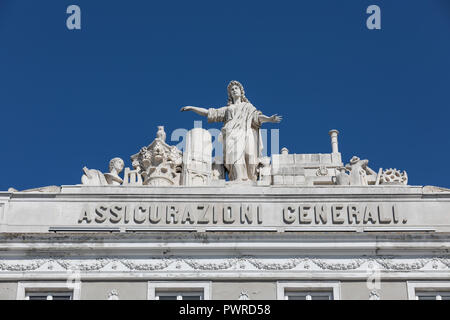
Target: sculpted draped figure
(241, 137)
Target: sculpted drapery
(241, 138)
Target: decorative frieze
(242, 263)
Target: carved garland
(94, 266)
(209, 266)
(161, 265)
(386, 263)
(290, 264)
(339, 266)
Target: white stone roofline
(93, 193)
(233, 189)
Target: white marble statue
(242, 143)
(342, 178)
(116, 166)
(93, 177)
(360, 173)
(161, 134)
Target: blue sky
(70, 99)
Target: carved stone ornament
(236, 263)
(322, 171)
(393, 176)
(243, 296)
(113, 295)
(159, 164)
(374, 295)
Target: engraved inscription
(241, 214)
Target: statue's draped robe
(358, 175)
(241, 137)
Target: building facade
(182, 225)
(87, 242)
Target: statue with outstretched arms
(241, 137)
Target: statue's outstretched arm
(275, 118)
(197, 110)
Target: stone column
(334, 140)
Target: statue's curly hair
(230, 98)
(113, 161)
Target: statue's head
(235, 90)
(354, 160)
(116, 164)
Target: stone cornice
(166, 237)
(92, 193)
(228, 243)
